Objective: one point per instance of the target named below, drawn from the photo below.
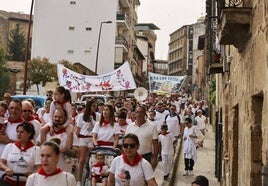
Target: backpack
(179, 119)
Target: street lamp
(27, 51)
(98, 46)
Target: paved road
(204, 165)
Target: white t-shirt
(64, 165)
(106, 133)
(11, 133)
(131, 176)
(146, 134)
(173, 124)
(160, 116)
(200, 122)
(61, 179)
(96, 170)
(166, 143)
(85, 127)
(21, 162)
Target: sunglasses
(125, 145)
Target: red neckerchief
(31, 118)
(36, 117)
(59, 131)
(105, 123)
(26, 147)
(137, 159)
(164, 133)
(100, 165)
(132, 119)
(61, 103)
(42, 172)
(20, 120)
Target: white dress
(189, 147)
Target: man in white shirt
(147, 134)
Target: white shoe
(186, 173)
(191, 173)
(78, 183)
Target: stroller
(109, 153)
(4, 183)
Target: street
(205, 165)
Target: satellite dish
(140, 94)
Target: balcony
(235, 26)
(121, 42)
(216, 65)
(122, 19)
(125, 3)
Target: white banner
(120, 79)
(164, 84)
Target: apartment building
(184, 53)
(97, 34)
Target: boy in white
(99, 171)
(166, 141)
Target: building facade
(8, 22)
(184, 53)
(241, 76)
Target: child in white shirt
(166, 141)
(99, 171)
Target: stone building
(8, 22)
(239, 29)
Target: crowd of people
(52, 142)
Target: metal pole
(98, 45)
(27, 51)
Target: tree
(41, 71)
(69, 65)
(16, 45)
(4, 73)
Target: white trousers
(167, 163)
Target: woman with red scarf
(49, 174)
(106, 131)
(22, 156)
(130, 168)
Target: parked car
(98, 97)
(39, 100)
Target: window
(87, 52)
(72, 2)
(71, 28)
(70, 51)
(88, 28)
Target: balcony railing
(120, 40)
(122, 17)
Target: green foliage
(16, 45)
(4, 73)
(212, 92)
(41, 71)
(69, 65)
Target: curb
(176, 161)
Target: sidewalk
(205, 164)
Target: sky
(168, 15)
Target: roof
(146, 26)
(14, 15)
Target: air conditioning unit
(226, 63)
